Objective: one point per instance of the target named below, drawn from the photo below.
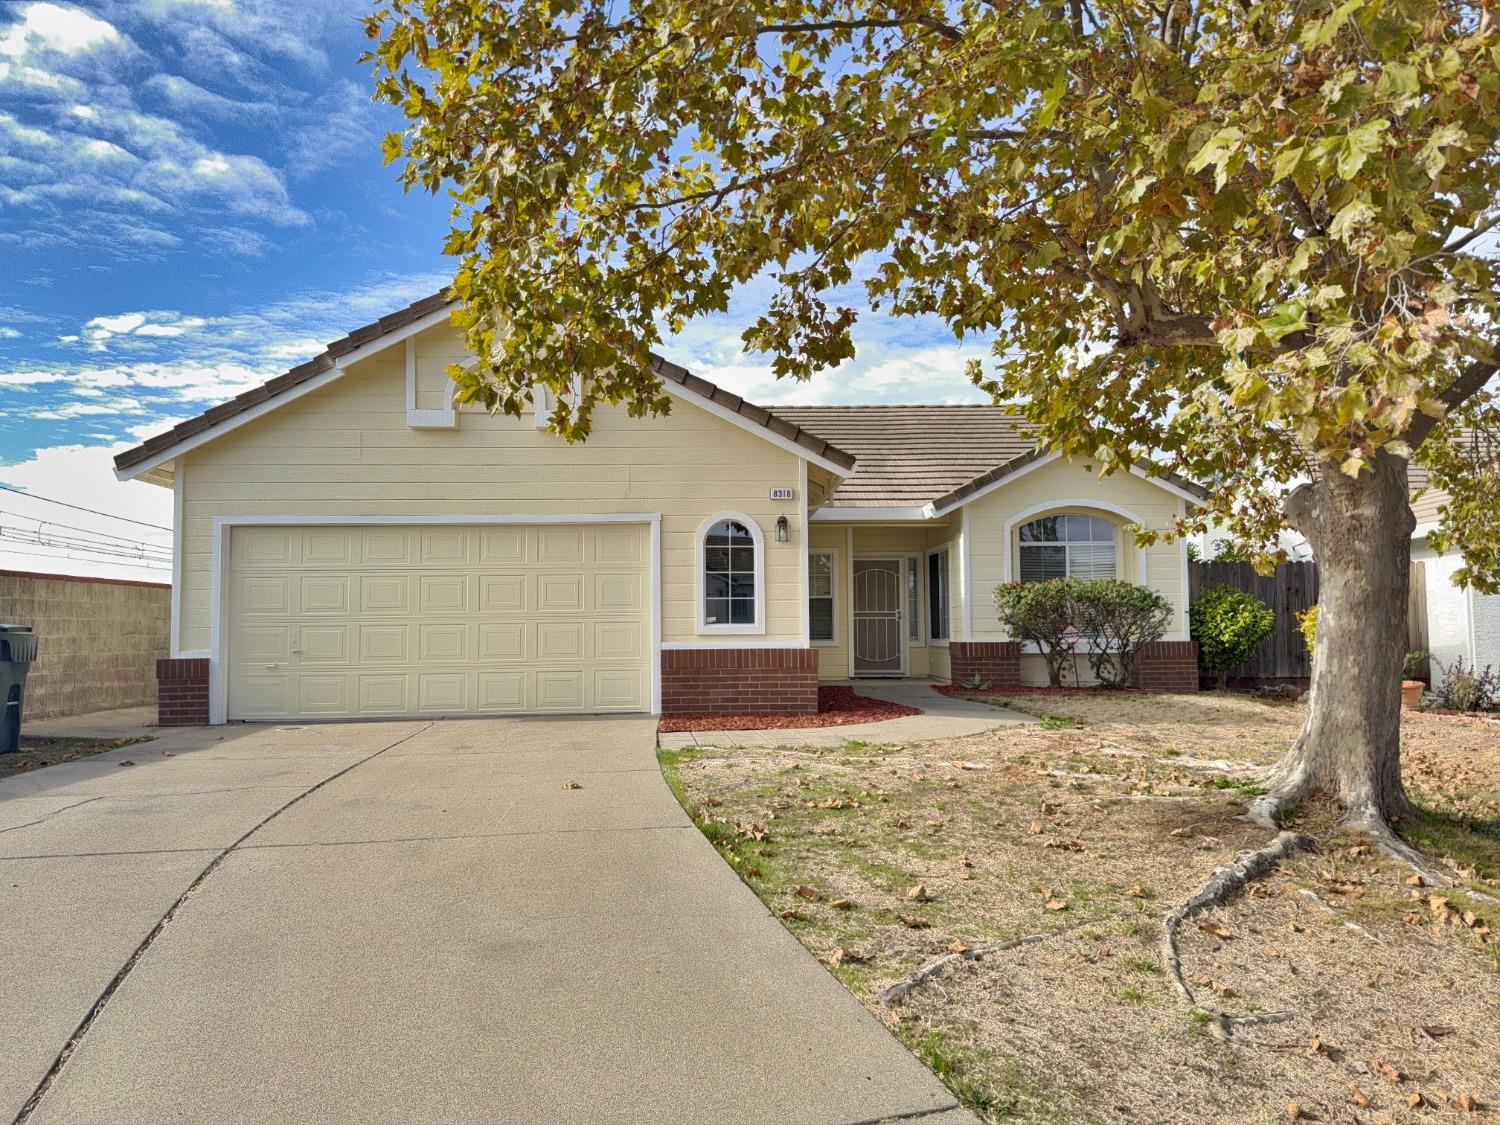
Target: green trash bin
(17, 652)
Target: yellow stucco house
(348, 544)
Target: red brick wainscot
(1167, 666)
(182, 691)
(744, 681)
(998, 662)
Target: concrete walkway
(408, 922)
(121, 722)
(942, 717)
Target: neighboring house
(350, 545)
(1461, 622)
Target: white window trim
(917, 560)
(223, 526)
(833, 594)
(1010, 570)
(1116, 541)
(756, 627)
(418, 419)
(947, 549)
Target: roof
(1429, 500)
(415, 312)
(905, 456)
(893, 456)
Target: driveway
(408, 921)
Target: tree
(1240, 241)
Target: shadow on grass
(1470, 843)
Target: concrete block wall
(98, 640)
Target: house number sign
(783, 494)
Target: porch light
(781, 529)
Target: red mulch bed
(837, 707)
(965, 693)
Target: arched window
(1068, 546)
(731, 575)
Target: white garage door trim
(218, 674)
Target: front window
(820, 596)
(730, 596)
(913, 601)
(937, 595)
(1067, 547)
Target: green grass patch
(985, 1084)
(1052, 721)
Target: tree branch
(1485, 356)
(947, 31)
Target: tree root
(1354, 927)
(1226, 882)
(903, 988)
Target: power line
(80, 508)
(91, 546)
(41, 523)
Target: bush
(1042, 613)
(1119, 619)
(1229, 625)
(1059, 614)
(1468, 689)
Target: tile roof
(906, 456)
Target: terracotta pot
(1411, 693)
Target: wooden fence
(1292, 589)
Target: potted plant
(1411, 690)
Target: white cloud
(101, 329)
(52, 27)
(8, 333)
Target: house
(351, 545)
(1461, 622)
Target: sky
(191, 201)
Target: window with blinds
(1067, 547)
(820, 595)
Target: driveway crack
(45, 817)
(76, 1039)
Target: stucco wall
(98, 640)
(346, 450)
(1448, 609)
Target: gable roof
(907, 455)
(418, 314)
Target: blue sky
(192, 201)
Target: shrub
(1119, 619)
(1414, 663)
(1057, 615)
(1042, 613)
(1468, 689)
(1307, 625)
(1229, 625)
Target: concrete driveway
(407, 922)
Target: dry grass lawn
(882, 858)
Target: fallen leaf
(842, 904)
(911, 922)
(1218, 929)
(1415, 881)
(1415, 1100)
(1056, 904)
(1035, 828)
(1467, 1103)
(1135, 890)
(1358, 1096)
(956, 946)
(1386, 1070)
(127, 762)
(918, 893)
(812, 894)
(1294, 1111)
(790, 913)
(843, 956)
(571, 785)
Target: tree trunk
(1350, 746)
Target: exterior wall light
(781, 529)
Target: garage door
(374, 621)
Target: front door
(879, 635)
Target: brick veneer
(739, 680)
(182, 691)
(1168, 666)
(999, 662)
